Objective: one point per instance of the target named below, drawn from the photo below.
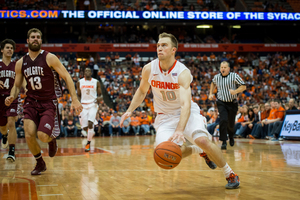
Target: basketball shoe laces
(232, 178)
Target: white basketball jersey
(88, 90)
(165, 87)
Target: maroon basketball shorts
(10, 111)
(44, 114)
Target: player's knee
(90, 125)
(11, 125)
(43, 137)
(202, 142)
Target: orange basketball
(167, 155)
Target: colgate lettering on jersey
(7, 74)
(164, 85)
(34, 71)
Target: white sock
(90, 134)
(196, 150)
(227, 170)
(84, 133)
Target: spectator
(115, 124)
(135, 123)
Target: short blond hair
(172, 38)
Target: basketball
(167, 155)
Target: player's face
(224, 68)
(87, 73)
(165, 49)
(34, 41)
(8, 50)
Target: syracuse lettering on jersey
(8, 74)
(34, 70)
(164, 85)
(87, 86)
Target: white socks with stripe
(90, 134)
(227, 170)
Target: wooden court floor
(123, 168)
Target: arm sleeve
(239, 80)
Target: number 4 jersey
(7, 76)
(165, 87)
(42, 81)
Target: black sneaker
(233, 181)
(231, 141)
(11, 154)
(224, 146)
(210, 163)
(4, 142)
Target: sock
(84, 133)
(90, 134)
(227, 170)
(196, 150)
(39, 157)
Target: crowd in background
(270, 77)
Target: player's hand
(177, 137)
(124, 117)
(76, 105)
(9, 100)
(1, 85)
(210, 97)
(99, 99)
(232, 91)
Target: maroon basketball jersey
(42, 81)
(7, 76)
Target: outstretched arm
(140, 94)
(54, 62)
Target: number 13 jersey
(42, 81)
(165, 87)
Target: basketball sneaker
(233, 181)
(210, 163)
(87, 148)
(4, 142)
(11, 154)
(52, 147)
(40, 167)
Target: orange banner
(143, 47)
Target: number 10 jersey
(165, 87)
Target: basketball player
(39, 68)
(178, 117)
(89, 91)
(8, 114)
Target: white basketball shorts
(165, 126)
(88, 113)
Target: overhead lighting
(204, 26)
(236, 26)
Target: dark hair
(34, 30)
(8, 41)
(252, 116)
(277, 100)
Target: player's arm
(17, 84)
(78, 90)
(184, 80)
(140, 94)
(54, 62)
(99, 92)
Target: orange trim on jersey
(169, 69)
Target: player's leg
(30, 130)
(91, 119)
(12, 137)
(84, 121)
(3, 130)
